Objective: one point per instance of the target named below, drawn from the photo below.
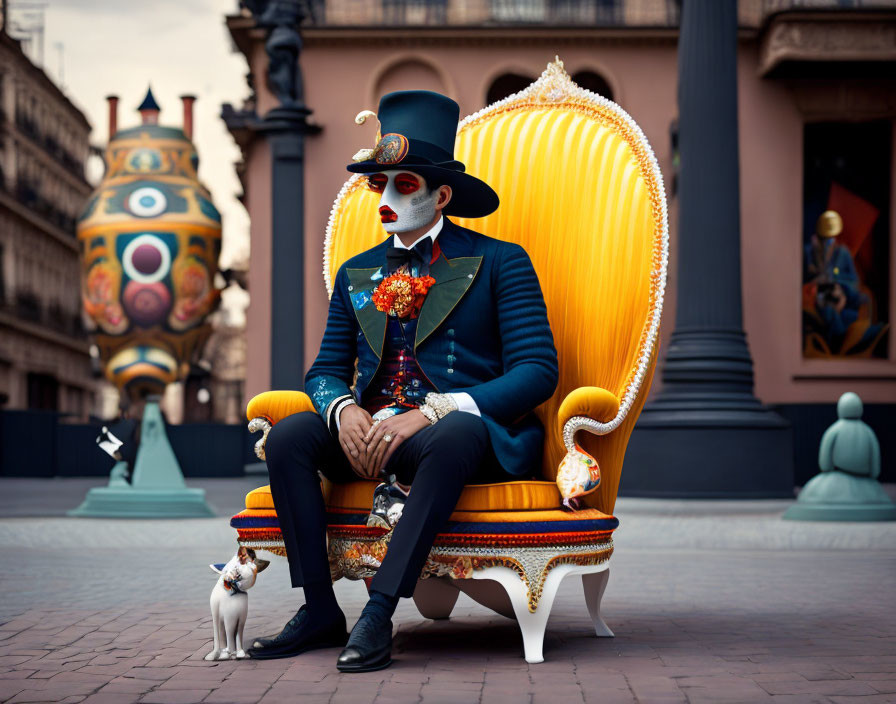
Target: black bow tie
(418, 257)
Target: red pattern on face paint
(377, 182)
(407, 183)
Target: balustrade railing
(25, 304)
(556, 13)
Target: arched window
(589, 80)
(409, 74)
(506, 84)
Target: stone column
(706, 434)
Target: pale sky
(179, 46)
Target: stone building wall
(44, 351)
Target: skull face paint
(405, 202)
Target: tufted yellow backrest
(581, 192)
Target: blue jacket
(483, 329)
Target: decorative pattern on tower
(150, 237)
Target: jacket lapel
(453, 272)
(453, 278)
(362, 282)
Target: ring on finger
(387, 437)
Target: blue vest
(399, 384)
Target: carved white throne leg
(594, 585)
(531, 625)
(435, 598)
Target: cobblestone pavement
(117, 611)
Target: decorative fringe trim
(535, 540)
(253, 518)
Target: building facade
(816, 118)
(44, 351)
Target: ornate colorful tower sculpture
(150, 239)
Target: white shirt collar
(433, 232)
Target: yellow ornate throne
(581, 190)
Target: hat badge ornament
(390, 148)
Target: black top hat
(418, 129)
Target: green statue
(847, 488)
(157, 489)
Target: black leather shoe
(281, 638)
(369, 646)
(297, 637)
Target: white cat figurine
(230, 603)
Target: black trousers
(437, 461)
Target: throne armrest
(270, 407)
(583, 404)
(276, 405)
(586, 408)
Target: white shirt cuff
(336, 405)
(465, 403)
(463, 400)
(350, 402)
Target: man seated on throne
(436, 352)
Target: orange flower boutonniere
(402, 295)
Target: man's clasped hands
(369, 444)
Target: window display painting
(846, 240)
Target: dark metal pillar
(285, 127)
(706, 434)
(286, 135)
